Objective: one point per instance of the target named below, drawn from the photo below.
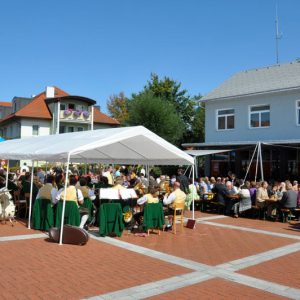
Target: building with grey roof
(255, 105)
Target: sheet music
(109, 193)
(128, 193)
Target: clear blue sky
(97, 48)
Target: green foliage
(157, 115)
(117, 106)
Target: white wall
(26, 127)
(282, 116)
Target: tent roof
(204, 152)
(126, 145)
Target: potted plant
(67, 112)
(77, 113)
(86, 113)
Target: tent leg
(7, 171)
(193, 200)
(30, 199)
(257, 159)
(261, 163)
(64, 202)
(250, 163)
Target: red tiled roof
(100, 117)
(38, 109)
(7, 104)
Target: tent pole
(7, 171)
(196, 167)
(64, 202)
(193, 200)
(250, 163)
(30, 198)
(261, 163)
(257, 159)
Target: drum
(7, 207)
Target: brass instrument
(140, 188)
(127, 216)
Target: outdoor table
(111, 219)
(42, 216)
(153, 216)
(72, 215)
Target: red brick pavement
(19, 228)
(260, 224)
(216, 289)
(283, 270)
(37, 269)
(208, 244)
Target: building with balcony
(50, 112)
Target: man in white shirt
(177, 196)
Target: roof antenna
(278, 35)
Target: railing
(75, 115)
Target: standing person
(191, 195)
(41, 175)
(24, 168)
(262, 195)
(220, 190)
(108, 174)
(183, 180)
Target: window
(259, 116)
(79, 129)
(71, 129)
(71, 106)
(225, 119)
(62, 129)
(298, 111)
(62, 106)
(35, 129)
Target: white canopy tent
(127, 145)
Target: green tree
(157, 115)
(198, 125)
(117, 106)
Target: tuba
(127, 216)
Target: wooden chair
(20, 203)
(178, 207)
(286, 214)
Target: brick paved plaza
(222, 258)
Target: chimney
(50, 92)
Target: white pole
(250, 164)
(64, 202)
(92, 118)
(257, 159)
(58, 117)
(7, 171)
(30, 198)
(261, 163)
(193, 200)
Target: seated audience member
(295, 186)
(289, 197)
(262, 195)
(231, 197)
(220, 190)
(245, 201)
(73, 194)
(48, 191)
